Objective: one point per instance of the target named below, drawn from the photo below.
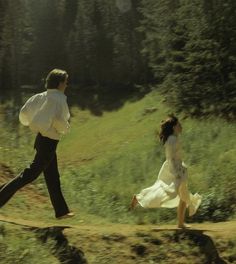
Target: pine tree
(158, 20)
(12, 42)
(191, 52)
(202, 84)
(48, 49)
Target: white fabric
(171, 184)
(46, 113)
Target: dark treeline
(184, 48)
(191, 49)
(94, 40)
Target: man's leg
(2, 186)
(27, 176)
(45, 153)
(52, 178)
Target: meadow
(105, 159)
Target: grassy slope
(104, 160)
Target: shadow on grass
(62, 250)
(204, 242)
(98, 100)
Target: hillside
(103, 161)
(120, 243)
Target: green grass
(19, 246)
(105, 160)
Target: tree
(11, 42)
(190, 50)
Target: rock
(113, 237)
(149, 110)
(139, 249)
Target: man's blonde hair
(54, 78)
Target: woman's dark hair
(167, 128)
(54, 78)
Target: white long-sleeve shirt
(46, 113)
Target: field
(103, 161)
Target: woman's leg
(183, 204)
(181, 214)
(133, 203)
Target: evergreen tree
(201, 82)
(158, 20)
(11, 42)
(191, 53)
(48, 49)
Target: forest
(184, 49)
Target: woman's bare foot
(133, 203)
(184, 226)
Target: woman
(170, 190)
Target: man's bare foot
(184, 226)
(133, 203)
(68, 215)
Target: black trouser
(44, 161)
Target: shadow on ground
(63, 251)
(94, 98)
(98, 100)
(199, 239)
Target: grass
(105, 160)
(19, 246)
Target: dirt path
(134, 244)
(225, 230)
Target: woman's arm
(175, 164)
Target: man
(47, 114)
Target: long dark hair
(167, 128)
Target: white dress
(171, 184)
